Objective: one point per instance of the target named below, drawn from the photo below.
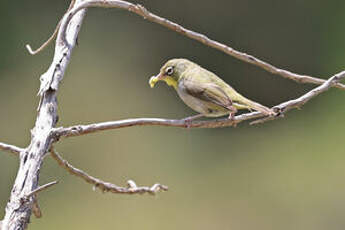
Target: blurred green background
(285, 174)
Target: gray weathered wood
(18, 209)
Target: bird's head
(171, 72)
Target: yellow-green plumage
(203, 91)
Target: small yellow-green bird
(203, 91)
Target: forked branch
(44, 133)
(140, 10)
(281, 108)
(51, 38)
(106, 186)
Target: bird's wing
(206, 86)
(207, 91)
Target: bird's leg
(188, 120)
(231, 116)
(232, 113)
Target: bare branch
(51, 38)
(140, 10)
(44, 133)
(46, 43)
(106, 186)
(299, 102)
(216, 123)
(41, 188)
(79, 130)
(11, 148)
(18, 213)
(35, 207)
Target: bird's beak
(155, 79)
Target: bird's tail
(248, 104)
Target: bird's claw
(232, 119)
(231, 116)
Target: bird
(203, 91)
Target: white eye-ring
(169, 71)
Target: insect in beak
(155, 79)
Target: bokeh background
(285, 174)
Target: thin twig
(11, 148)
(106, 186)
(41, 188)
(45, 44)
(140, 10)
(51, 38)
(79, 130)
(35, 206)
(299, 102)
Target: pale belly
(208, 109)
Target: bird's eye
(169, 71)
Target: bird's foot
(232, 118)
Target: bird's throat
(171, 82)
